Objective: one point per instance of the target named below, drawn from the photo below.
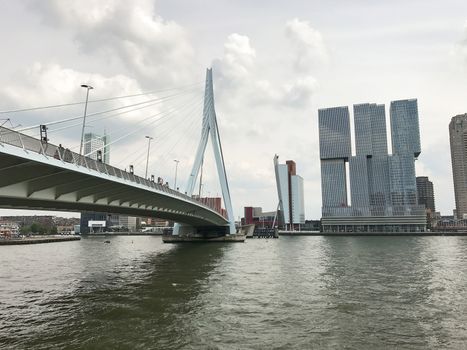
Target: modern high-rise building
(335, 150)
(382, 186)
(405, 148)
(458, 142)
(94, 143)
(425, 193)
(369, 168)
(290, 191)
(426, 197)
(98, 145)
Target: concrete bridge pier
(188, 233)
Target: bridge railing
(31, 144)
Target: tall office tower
(382, 186)
(370, 129)
(404, 126)
(369, 172)
(458, 141)
(426, 195)
(290, 191)
(334, 150)
(405, 149)
(94, 143)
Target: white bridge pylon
(210, 128)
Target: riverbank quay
(376, 234)
(38, 239)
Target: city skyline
(382, 195)
(271, 69)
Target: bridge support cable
(161, 116)
(210, 129)
(99, 100)
(185, 130)
(154, 100)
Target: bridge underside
(32, 181)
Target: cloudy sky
(275, 63)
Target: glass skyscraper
(335, 150)
(405, 131)
(94, 143)
(290, 191)
(458, 142)
(405, 146)
(370, 130)
(382, 186)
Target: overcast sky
(275, 63)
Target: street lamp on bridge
(147, 158)
(87, 87)
(176, 168)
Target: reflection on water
(294, 292)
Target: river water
(287, 293)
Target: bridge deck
(35, 174)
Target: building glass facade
(290, 191)
(370, 129)
(405, 131)
(334, 133)
(425, 192)
(382, 186)
(94, 143)
(458, 143)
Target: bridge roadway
(39, 175)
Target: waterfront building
(335, 150)
(127, 222)
(8, 229)
(382, 186)
(112, 221)
(98, 145)
(48, 221)
(425, 193)
(290, 192)
(405, 148)
(215, 203)
(426, 197)
(369, 168)
(458, 142)
(256, 216)
(87, 216)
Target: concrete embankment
(38, 239)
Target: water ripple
(291, 293)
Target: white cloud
(238, 80)
(299, 93)
(239, 58)
(462, 46)
(50, 84)
(308, 43)
(154, 51)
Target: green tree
(34, 228)
(25, 229)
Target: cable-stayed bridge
(37, 174)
